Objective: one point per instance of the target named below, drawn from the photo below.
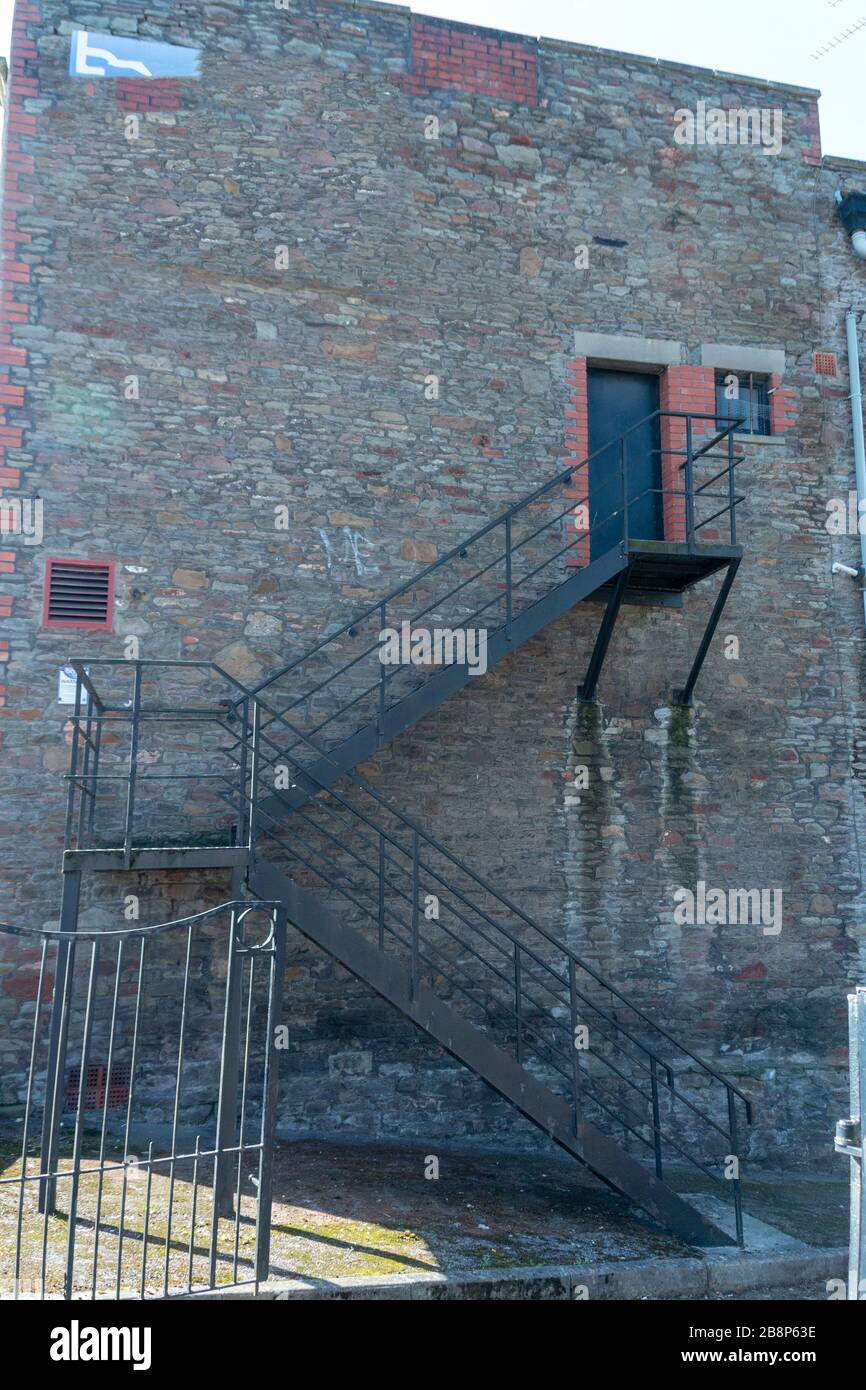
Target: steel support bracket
(684, 696)
(586, 691)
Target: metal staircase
(270, 771)
(511, 578)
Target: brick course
(480, 61)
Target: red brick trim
(681, 388)
(148, 94)
(783, 405)
(469, 59)
(811, 128)
(577, 447)
(14, 302)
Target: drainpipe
(857, 428)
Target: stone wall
(333, 278)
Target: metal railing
(404, 889)
(139, 1163)
(545, 1005)
(850, 1141)
(340, 684)
(141, 733)
(552, 1010)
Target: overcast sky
(769, 38)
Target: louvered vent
(78, 594)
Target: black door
(618, 400)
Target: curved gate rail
(151, 1077)
(850, 1141)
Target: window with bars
(78, 593)
(744, 397)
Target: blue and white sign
(67, 684)
(109, 55)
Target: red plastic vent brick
(97, 1087)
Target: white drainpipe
(857, 427)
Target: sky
(779, 39)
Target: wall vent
(99, 1092)
(824, 363)
(78, 593)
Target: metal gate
(141, 1077)
(850, 1140)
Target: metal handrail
(558, 480)
(254, 723)
(380, 688)
(254, 748)
(454, 859)
(326, 872)
(414, 829)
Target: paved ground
(344, 1210)
(359, 1209)
(791, 1293)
